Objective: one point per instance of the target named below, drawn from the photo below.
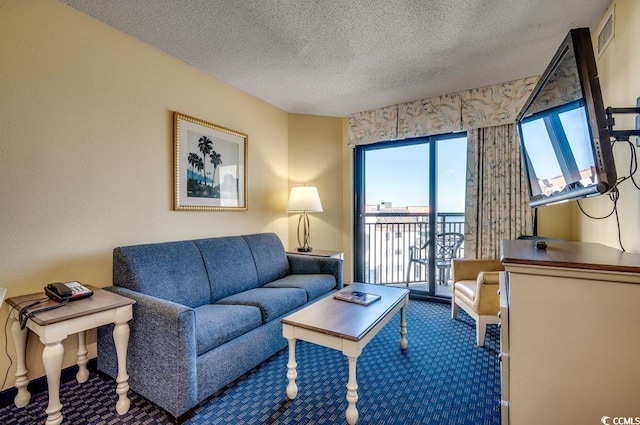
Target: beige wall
(558, 221)
(86, 153)
(315, 159)
(619, 71)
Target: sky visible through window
(400, 175)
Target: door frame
(359, 170)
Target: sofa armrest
(161, 356)
(469, 269)
(308, 264)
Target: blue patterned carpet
(443, 378)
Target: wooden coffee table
(346, 327)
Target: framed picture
(210, 166)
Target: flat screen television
(562, 128)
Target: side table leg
(22, 380)
(52, 360)
(403, 328)
(352, 392)
(121, 340)
(83, 372)
(292, 388)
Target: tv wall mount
(624, 134)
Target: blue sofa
(207, 311)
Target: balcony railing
(388, 236)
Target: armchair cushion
(466, 290)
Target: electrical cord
(6, 341)
(23, 315)
(619, 233)
(29, 315)
(597, 218)
(633, 166)
(614, 193)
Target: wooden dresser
(570, 333)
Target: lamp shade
(304, 198)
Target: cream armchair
(475, 290)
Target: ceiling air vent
(605, 31)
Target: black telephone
(68, 291)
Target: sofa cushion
(230, 265)
(217, 324)
(314, 284)
(173, 271)
(269, 257)
(273, 302)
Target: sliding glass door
(408, 194)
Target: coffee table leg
(22, 380)
(403, 329)
(52, 360)
(292, 388)
(352, 392)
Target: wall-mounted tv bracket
(624, 134)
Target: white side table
(55, 325)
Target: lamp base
(301, 249)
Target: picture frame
(210, 166)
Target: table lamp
(304, 199)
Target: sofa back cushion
(173, 271)
(230, 265)
(269, 256)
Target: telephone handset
(58, 291)
(68, 291)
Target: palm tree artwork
(198, 186)
(206, 146)
(193, 161)
(200, 166)
(216, 159)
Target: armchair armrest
(487, 300)
(161, 356)
(307, 264)
(468, 269)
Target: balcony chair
(447, 248)
(475, 290)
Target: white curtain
(496, 205)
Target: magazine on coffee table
(357, 297)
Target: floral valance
(477, 108)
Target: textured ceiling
(337, 57)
